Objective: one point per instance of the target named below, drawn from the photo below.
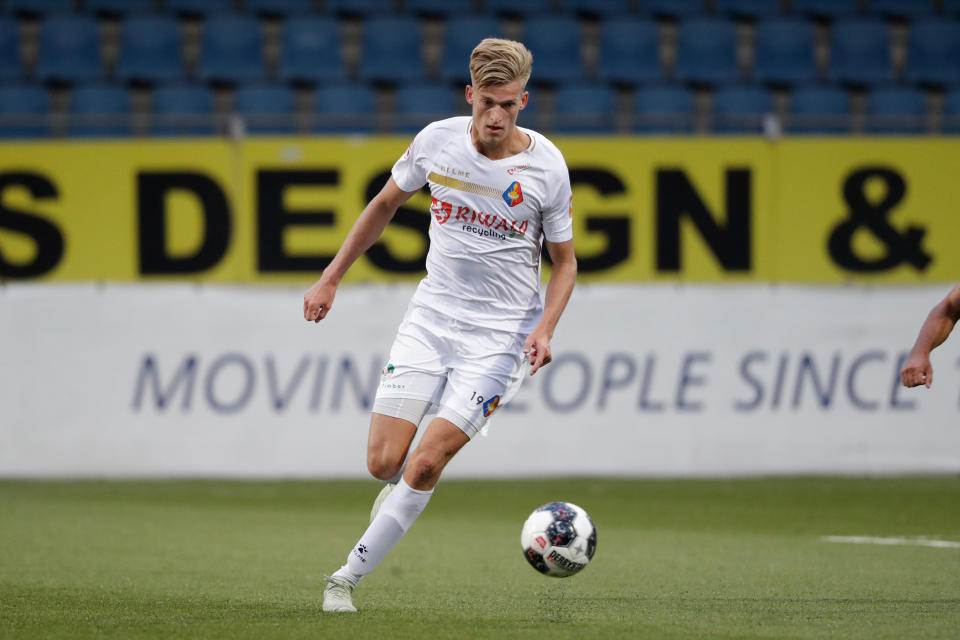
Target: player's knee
(423, 470)
(383, 467)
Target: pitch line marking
(912, 542)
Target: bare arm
(365, 231)
(936, 328)
(562, 278)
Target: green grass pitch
(737, 558)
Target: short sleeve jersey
(488, 221)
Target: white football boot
(380, 498)
(337, 596)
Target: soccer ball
(558, 539)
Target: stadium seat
(359, 8)
(784, 52)
(555, 44)
(311, 50)
(461, 35)
(597, 8)
(198, 7)
(898, 110)
(663, 110)
(829, 9)
(278, 7)
(391, 50)
(149, 49)
(37, 7)
(24, 111)
(99, 110)
(266, 108)
(908, 9)
(740, 109)
(118, 7)
(585, 108)
(933, 55)
(446, 8)
(751, 9)
(11, 63)
(706, 51)
(860, 52)
(417, 105)
(676, 9)
(345, 108)
(69, 50)
(524, 9)
(819, 110)
(629, 51)
(231, 50)
(951, 112)
(184, 110)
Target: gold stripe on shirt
(460, 185)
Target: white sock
(396, 516)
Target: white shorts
(465, 370)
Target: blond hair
(495, 62)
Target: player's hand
(318, 300)
(917, 371)
(537, 347)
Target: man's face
(495, 110)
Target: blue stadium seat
(629, 51)
(707, 51)
(24, 111)
(182, 110)
(677, 9)
(751, 9)
(819, 110)
(391, 50)
(278, 7)
(417, 105)
(784, 52)
(897, 110)
(231, 49)
(461, 35)
(69, 50)
(149, 49)
(11, 63)
(663, 110)
(524, 8)
(447, 8)
(554, 41)
(311, 50)
(829, 9)
(37, 7)
(117, 7)
(951, 112)
(198, 7)
(359, 8)
(597, 8)
(266, 108)
(585, 108)
(99, 110)
(345, 108)
(933, 56)
(740, 109)
(860, 52)
(909, 9)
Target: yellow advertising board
(275, 210)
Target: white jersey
(483, 266)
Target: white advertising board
(177, 380)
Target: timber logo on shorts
(513, 195)
(490, 406)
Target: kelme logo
(513, 195)
(490, 406)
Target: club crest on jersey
(513, 195)
(490, 406)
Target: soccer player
(936, 328)
(476, 323)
